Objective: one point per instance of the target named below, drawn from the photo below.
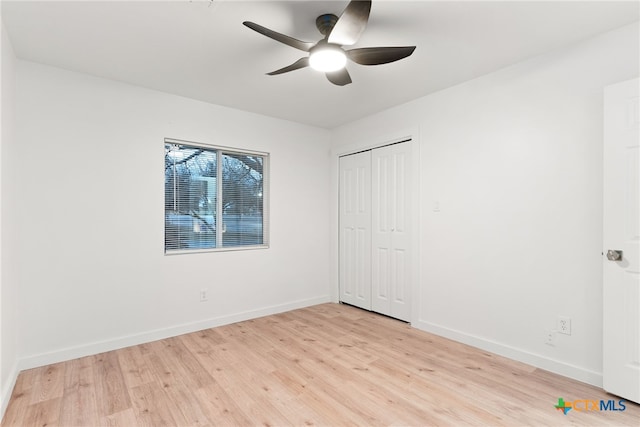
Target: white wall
(86, 215)
(8, 333)
(514, 160)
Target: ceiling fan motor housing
(325, 23)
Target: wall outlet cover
(564, 325)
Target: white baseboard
(7, 390)
(70, 353)
(542, 362)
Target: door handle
(614, 255)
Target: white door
(391, 238)
(355, 230)
(621, 281)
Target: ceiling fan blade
(340, 77)
(300, 63)
(289, 41)
(351, 23)
(379, 55)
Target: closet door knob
(614, 255)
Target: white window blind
(214, 198)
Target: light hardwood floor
(327, 365)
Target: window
(214, 198)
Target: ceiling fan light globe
(328, 59)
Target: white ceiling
(200, 49)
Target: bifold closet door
(355, 230)
(391, 239)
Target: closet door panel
(391, 232)
(380, 278)
(355, 230)
(381, 234)
(400, 306)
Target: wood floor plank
(326, 365)
(151, 406)
(25, 381)
(48, 383)
(110, 389)
(177, 364)
(249, 396)
(220, 407)
(79, 405)
(17, 408)
(43, 413)
(184, 406)
(135, 369)
(202, 342)
(126, 418)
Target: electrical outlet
(204, 295)
(549, 338)
(564, 325)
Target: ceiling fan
(328, 55)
